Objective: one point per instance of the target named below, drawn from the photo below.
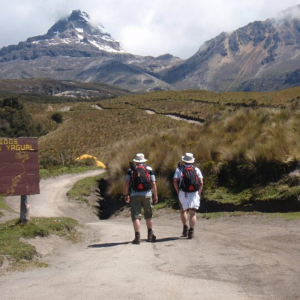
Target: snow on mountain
(77, 29)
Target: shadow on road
(107, 245)
(167, 239)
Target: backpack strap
(181, 168)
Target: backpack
(140, 179)
(189, 181)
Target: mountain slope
(36, 88)
(259, 52)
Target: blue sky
(144, 27)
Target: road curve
(238, 258)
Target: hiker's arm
(201, 186)
(175, 183)
(126, 192)
(154, 191)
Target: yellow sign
(13, 145)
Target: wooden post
(24, 211)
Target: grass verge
(84, 187)
(62, 170)
(290, 216)
(20, 254)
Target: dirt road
(232, 258)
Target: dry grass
(100, 133)
(245, 128)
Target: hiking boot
(137, 240)
(151, 237)
(191, 234)
(185, 231)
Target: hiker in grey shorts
(142, 192)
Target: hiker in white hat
(141, 180)
(188, 183)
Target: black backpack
(189, 181)
(140, 178)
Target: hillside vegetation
(51, 90)
(15, 122)
(246, 144)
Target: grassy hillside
(246, 144)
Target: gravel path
(247, 257)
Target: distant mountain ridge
(261, 56)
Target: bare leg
(136, 225)
(193, 218)
(151, 236)
(183, 215)
(149, 223)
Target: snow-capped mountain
(75, 49)
(77, 29)
(261, 56)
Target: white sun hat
(139, 158)
(188, 158)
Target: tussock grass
(97, 133)
(247, 139)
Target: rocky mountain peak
(81, 21)
(77, 29)
(77, 15)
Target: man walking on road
(140, 178)
(188, 182)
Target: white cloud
(148, 27)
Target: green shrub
(15, 122)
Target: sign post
(24, 210)
(19, 170)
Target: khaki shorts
(139, 202)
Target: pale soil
(248, 257)
(151, 112)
